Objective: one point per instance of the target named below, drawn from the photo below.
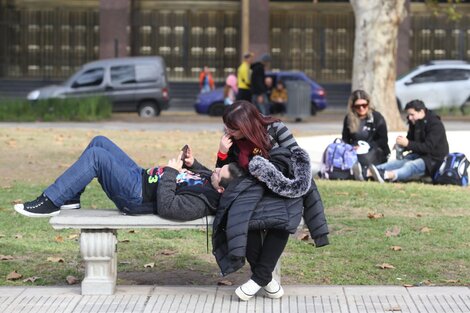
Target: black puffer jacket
(428, 139)
(248, 204)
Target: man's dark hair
(235, 172)
(416, 105)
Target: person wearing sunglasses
(366, 130)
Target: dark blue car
(212, 102)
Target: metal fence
(50, 39)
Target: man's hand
(402, 141)
(177, 164)
(189, 158)
(225, 143)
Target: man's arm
(183, 207)
(434, 137)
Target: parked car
(212, 102)
(443, 83)
(133, 84)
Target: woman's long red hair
(244, 116)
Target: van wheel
(217, 109)
(148, 109)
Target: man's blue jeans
(411, 166)
(119, 176)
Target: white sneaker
(274, 290)
(246, 291)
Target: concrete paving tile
(298, 290)
(42, 304)
(374, 290)
(437, 290)
(53, 291)
(184, 290)
(120, 303)
(131, 289)
(11, 291)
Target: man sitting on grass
(427, 142)
(170, 192)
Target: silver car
(133, 84)
(444, 83)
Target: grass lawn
(422, 231)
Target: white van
(133, 84)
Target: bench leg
(98, 249)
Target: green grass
(440, 256)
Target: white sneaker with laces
(274, 290)
(246, 291)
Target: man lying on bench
(171, 192)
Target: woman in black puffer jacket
(250, 135)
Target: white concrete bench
(98, 241)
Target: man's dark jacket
(277, 202)
(258, 86)
(428, 139)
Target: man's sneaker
(246, 291)
(41, 207)
(274, 290)
(377, 174)
(71, 204)
(357, 171)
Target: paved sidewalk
(312, 299)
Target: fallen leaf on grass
(55, 259)
(452, 281)
(342, 193)
(407, 285)
(425, 230)
(5, 257)
(31, 279)
(72, 237)
(59, 239)
(326, 280)
(167, 252)
(419, 215)
(385, 266)
(224, 282)
(17, 201)
(18, 236)
(375, 215)
(125, 240)
(149, 265)
(132, 231)
(71, 280)
(14, 276)
(302, 235)
(394, 232)
(395, 248)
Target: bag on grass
(453, 170)
(338, 160)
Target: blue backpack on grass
(338, 160)
(453, 170)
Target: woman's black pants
(263, 250)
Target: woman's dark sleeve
(346, 135)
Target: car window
(453, 74)
(426, 77)
(91, 77)
(122, 74)
(147, 73)
(286, 78)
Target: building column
(255, 27)
(114, 20)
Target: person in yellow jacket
(244, 78)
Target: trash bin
(298, 99)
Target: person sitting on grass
(427, 142)
(171, 191)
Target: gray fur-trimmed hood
(287, 173)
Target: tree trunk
(375, 54)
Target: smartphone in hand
(185, 152)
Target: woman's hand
(177, 163)
(225, 143)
